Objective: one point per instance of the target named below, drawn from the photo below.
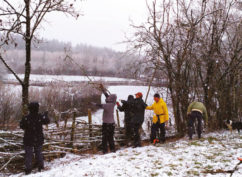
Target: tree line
(48, 57)
(24, 19)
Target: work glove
(166, 123)
(102, 87)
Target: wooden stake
(90, 122)
(73, 129)
(148, 125)
(153, 76)
(117, 118)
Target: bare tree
(197, 47)
(24, 18)
(218, 59)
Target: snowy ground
(216, 151)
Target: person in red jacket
(139, 112)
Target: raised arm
(104, 90)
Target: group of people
(134, 109)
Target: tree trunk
(25, 87)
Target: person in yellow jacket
(160, 119)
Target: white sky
(104, 24)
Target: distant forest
(49, 57)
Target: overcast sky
(104, 23)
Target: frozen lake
(66, 78)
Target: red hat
(139, 94)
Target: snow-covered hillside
(215, 152)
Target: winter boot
(27, 172)
(40, 168)
(155, 141)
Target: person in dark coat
(108, 125)
(138, 119)
(128, 116)
(33, 136)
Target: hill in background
(49, 57)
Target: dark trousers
(29, 157)
(191, 119)
(159, 129)
(107, 137)
(128, 131)
(136, 127)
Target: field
(214, 155)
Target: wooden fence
(72, 136)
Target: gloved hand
(102, 87)
(117, 103)
(167, 123)
(206, 125)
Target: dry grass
(55, 98)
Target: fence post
(73, 127)
(90, 122)
(117, 118)
(90, 128)
(56, 120)
(148, 125)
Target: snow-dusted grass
(216, 151)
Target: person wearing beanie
(33, 136)
(138, 119)
(108, 125)
(128, 116)
(160, 119)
